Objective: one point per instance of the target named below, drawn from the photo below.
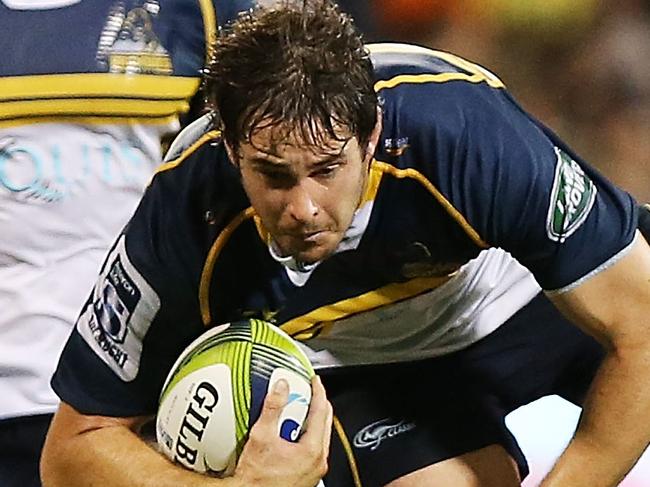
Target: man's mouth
(312, 237)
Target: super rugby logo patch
(119, 313)
(572, 198)
(116, 302)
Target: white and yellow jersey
(87, 91)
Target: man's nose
(301, 204)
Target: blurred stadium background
(580, 66)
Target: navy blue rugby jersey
(67, 58)
(460, 167)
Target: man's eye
(327, 171)
(277, 178)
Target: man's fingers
(276, 398)
(318, 425)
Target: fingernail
(281, 386)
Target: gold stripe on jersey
(213, 255)
(349, 453)
(261, 230)
(107, 107)
(309, 325)
(208, 136)
(86, 95)
(427, 78)
(91, 120)
(91, 85)
(209, 26)
(217, 246)
(444, 202)
(372, 185)
(474, 72)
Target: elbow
(49, 464)
(58, 455)
(631, 356)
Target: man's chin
(310, 253)
(312, 256)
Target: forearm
(115, 457)
(614, 429)
(85, 450)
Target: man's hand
(268, 460)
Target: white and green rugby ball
(215, 390)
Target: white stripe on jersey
(478, 299)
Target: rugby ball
(215, 390)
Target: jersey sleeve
(515, 183)
(137, 318)
(527, 192)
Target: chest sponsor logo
(128, 43)
(572, 198)
(51, 173)
(375, 433)
(121, 310)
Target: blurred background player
(88, 90)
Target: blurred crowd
(580, 66)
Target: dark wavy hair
(299, 65)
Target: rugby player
(443, 257)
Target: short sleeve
(530, 194)
(514, 182)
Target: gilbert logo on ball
(215, 391)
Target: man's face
(305, 196)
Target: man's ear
(371, 147)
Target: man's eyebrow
(328, 159)
(264, 161)
(333, 156)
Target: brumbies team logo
(119, 314)
(572, 198)
(128, 42)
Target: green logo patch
(572, 197)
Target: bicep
(614, 304)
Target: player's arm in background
(142, 312)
